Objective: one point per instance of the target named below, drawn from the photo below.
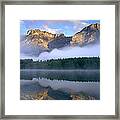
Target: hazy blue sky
(68, 27)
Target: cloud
(30, 49)
(51, 30)
(78, 25)
(67, 52)
(71, 52)
(84, 23)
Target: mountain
(40, 38)
(36, 41)
(59, 42)
(87, 35)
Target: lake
(60, 84)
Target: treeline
(68, 63)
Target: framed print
(59, 60)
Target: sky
(68, 27)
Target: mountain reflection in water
(68, 83)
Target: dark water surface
(62, 83)
(69, 75)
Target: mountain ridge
(36, 41)
(48, 40)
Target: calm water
(69, 75)
(65, 81)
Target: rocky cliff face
(59, 42)
(89, 34)
(40, 38)
(46, 39)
